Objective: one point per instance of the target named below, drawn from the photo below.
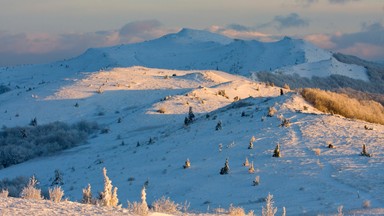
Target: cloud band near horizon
(31, 48)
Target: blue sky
(39, 31)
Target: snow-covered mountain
(196, 49)
(143, 111)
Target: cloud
(292, 20)
(367, 43)
(238, 27)
(243, 32)
(25, 48)
(305, 3)
(289, 21)
(341, 1)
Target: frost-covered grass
(330, 102)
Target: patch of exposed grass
(342, 104)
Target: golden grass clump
(342, 104)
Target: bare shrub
(56, 194)
(342, 104)
(165, 205)
(30, 191)
(4, 193)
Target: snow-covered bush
(271, 111)
(165, 205)
(238, 211)
(269, 209)
(30, 191)
(276, 152)
(108, 197)
(19, 144)
(256, 181)
(161, 110)
(14, 186)
(246, 163)
(187, 164)
(251, 168)
(139, 208)
(4, 193)
(56, 194)
(87, 195)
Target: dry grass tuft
(342, 104)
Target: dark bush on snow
(4, 89)
(20, 144)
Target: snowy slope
(203, 50)
(303, 182)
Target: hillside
(143, 145)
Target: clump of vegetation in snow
(30, 191)
(269, 209)
(20, 144)
(13, 186)
(4, 89)
(191, 117)
(276, 152)
(225, 170)
(341, 104)
(165, 205)
(108, 197)
(56, 194)
(364, 152)
(139, 208)
(4, 193)
(238, 211)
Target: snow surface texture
(202, 50)
(305, 182)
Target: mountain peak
(189, 34)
